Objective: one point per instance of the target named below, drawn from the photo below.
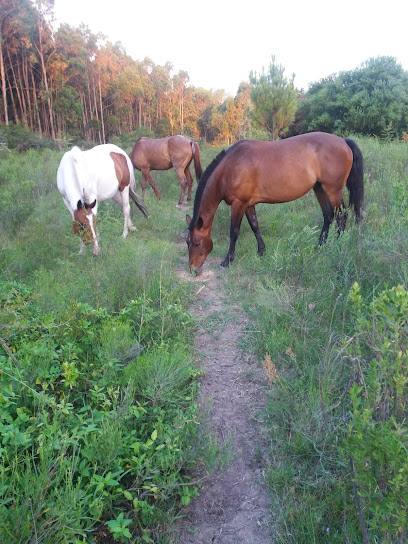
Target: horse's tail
(196, 156)
(142, 207)
(355, 181)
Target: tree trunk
(3, 82)
(27, 93)
(16, 117)
(36, 108)
(100, 103)
(45, 78)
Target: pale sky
(219, 42)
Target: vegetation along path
(233, 505)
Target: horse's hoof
(132, 228)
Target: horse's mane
(202, 184)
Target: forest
(69, 84)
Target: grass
(297, 298)
(105, 377)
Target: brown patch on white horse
(121, 170)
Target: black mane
(202, 184)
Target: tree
(370, 100)
(274, 99)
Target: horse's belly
(284, 192)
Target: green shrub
(377, 436)
(89, 427)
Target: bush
(90, 427)
(377, 436)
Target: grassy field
(98, 384)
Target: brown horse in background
(164, 153)
(252, 171)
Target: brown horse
(252, 171)
(163, 153)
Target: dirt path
(233, 506)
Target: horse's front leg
(253, 223)
(237, 213)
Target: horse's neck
(73, 187)
(209, 202)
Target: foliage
(74, 412)
(274, 99)
(370, 100)
(16, 136)
(377, 436)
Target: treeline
(71, 83)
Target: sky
(219, 42)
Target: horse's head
(85, 222)
(199, 244)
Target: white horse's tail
(141, 205)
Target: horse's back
(284, 170)
(151, 154)
(101, 177)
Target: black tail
(355, 181)
(196, 157)
(139, 204)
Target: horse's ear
(200, 223)
(188, 219)
(79, 205)
(92, 205)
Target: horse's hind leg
(189, 181)
(327, 209)
(341, 217)
(253, 223)
(123, 199)
(148, 176)
(183, 185)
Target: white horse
(86, 177)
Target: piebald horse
(162, 154)
(85, 178)
(252, 171)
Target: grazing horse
(163, 153)
(251, 171)
(86, 177)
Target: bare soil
(233, 506)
